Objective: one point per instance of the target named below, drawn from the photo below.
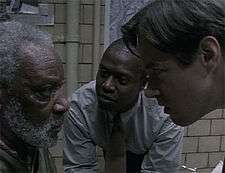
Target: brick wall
(86, 39)
(85, 73)
(204, 143)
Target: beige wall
(204, 142)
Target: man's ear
(145, 80)
(210, 53)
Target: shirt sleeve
(79, 149)
(165, 153)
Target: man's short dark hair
(177, 26)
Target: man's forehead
(127, 66)
(39, 61)
(151, 55)
(36, 53)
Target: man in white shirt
(153, 142)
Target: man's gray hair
(12, 35)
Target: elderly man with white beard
(31, 99)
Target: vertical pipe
(96, 50)
(72, 44)
(106, 24)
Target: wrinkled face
(119, 80)
(184, 91)
(35, 107)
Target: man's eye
(123, 80)
(44, 94)
(104, 74)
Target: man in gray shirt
(153, 142)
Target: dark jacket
(40, 163)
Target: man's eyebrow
(119, 73)
(102, 66)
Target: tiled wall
(86, 39)
(204, 142)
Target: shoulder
(85, 95)
(83, 104)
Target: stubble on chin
(41, 136)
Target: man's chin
(179, 119)
(105, 106)
(181, 123)
(42, 136)
(44, 140)
(44, 144)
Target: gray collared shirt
(149, 130)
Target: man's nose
(108, 85)
(61, 105)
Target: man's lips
(106, 99)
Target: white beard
(38, 136)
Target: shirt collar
(125, 116)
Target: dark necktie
(115, 154)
